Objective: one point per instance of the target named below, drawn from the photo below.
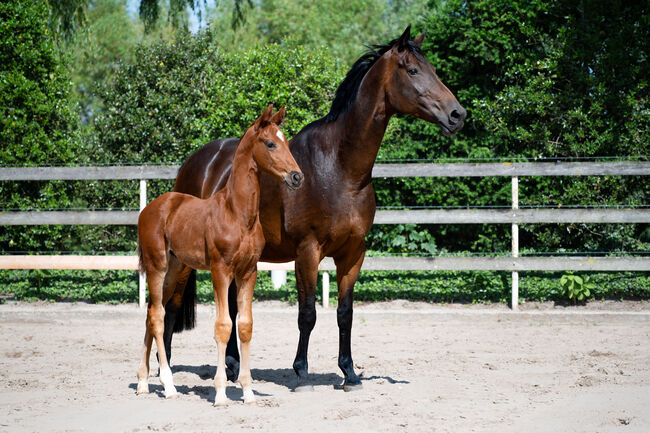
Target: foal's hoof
(143, 388)
(171, 395)
(220, 402)
(232, 369)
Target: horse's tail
(140, 257)
(186, 315)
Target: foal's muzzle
(294, 179)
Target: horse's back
(206, 170)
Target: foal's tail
(140, 258)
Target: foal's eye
(270, 144)
(413, 71)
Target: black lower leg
(232, 350)
(170, 320)
(344, 319)
(306, 323)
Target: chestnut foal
(222, 234)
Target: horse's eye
(270, 144)
(413, 71)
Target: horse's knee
(245, 328)
(222, 329)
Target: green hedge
(442, 287)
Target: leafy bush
(575, 287)
(429, 286)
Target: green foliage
(180, 95)
(37, 120)
(576, 287)
(538, 79)
(345, 28)
(466, 287)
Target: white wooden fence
(514, 216)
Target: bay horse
(222, 234)
(332, 214)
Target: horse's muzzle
(294, 179)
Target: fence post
(279, 278)
(142, 284)
(326, 289)
(514, 302)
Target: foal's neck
(363, 126)
(243, 186)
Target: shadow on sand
(279, 376)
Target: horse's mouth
(448, 132)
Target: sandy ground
(426, 368)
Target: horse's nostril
(454, 117)
(296, 178)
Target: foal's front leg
(221, 279)
(245, 287)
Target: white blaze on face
(280, 135)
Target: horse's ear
(278, 117)
(418, 41)
(403, 40)
(266, 114)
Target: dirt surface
(426, 368)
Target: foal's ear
(266, 115)
(403, 40)
(278, 117)
(418, 41)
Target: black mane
(346, 93)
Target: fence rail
(414, 216)
(369, 263)
(513, 216)
(508, 169)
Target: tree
(539, 79)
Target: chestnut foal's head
(271, 148)
(414, 87)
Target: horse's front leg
(221, 278)
(245, 287)
(307, 259)
(347, 271)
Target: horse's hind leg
(245, 325)
(232, 351)
(143, 370)
(156, 327)
(176, 279)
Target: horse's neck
(243, 186)
(362, 128)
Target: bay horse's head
(271, 148)
(414, 88)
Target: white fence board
(369, 264)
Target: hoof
(171, 395)
(232, 369)
(143, 388)
(250, 401)
(304, 388)
(220, 402)
(348, 387)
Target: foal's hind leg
(154, 328)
